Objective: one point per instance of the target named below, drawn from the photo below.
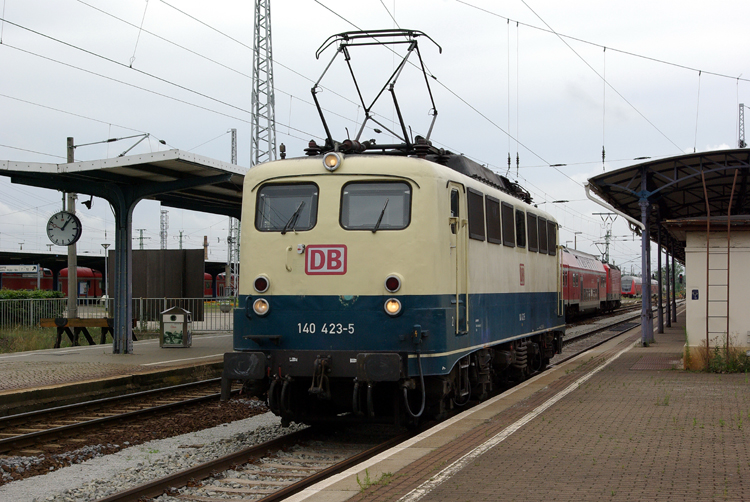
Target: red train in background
(589, 286)
(89, 281)
(632, 286)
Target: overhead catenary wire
(140, 30)
(628, 53)
(697, 110)
(597, 73)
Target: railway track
(23, 431)
(280, 468)
(273, 470)
(607, 332)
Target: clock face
(64, 228)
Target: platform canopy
(188, 181)
(685, 187)
(173, 177)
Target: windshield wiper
(293, 220)
(380, 218)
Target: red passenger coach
(614, 287)
(589, 285)
(17, 280)
(89, 282)
(208, 288)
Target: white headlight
(260, 306)
(392, 306)
(332, 161)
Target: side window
(551, 238)
(565, 278)
(475, 201)
(533, 234)
(494, 234)
(520, 229)
(454, 208)
(509, 231)
(542, 235)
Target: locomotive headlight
(332, 161)
(261, 284)
(392, 306)
(260, 306)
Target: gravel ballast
(102, 476)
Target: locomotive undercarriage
(378, 391)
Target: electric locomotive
(389, 282)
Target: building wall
(696, 291)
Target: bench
(79, 326)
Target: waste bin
(176, 328)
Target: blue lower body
(306, 327)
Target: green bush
(29, 294)
(23, 312)
(737, 361)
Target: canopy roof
(678, 188)
(181, 171)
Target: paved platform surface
(55, 368)
(619, 423)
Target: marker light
(392, 283)
(332, 161)
(260, 306)
(261, 284)
(392, 306)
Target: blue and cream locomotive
(389, 283)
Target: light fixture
(261, 284)
(260, 306)
(392, 307)
(392, 283)
(332, 161)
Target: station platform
(620, 422)
(31, 380)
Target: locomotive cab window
(375, 206)
(286, 207)
(454, 208)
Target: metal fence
(207, 314)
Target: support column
(674, 289)
(647, 328)
(669, 284)
(122, 338)
(660, 306)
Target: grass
(23, 339)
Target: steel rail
(24, 440)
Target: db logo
(325, 260)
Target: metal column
(669, 282)
(647, 328)
(659, 306)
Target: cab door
(459, 244)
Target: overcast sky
(180, 70)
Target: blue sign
(695, 294)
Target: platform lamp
(106, 278)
